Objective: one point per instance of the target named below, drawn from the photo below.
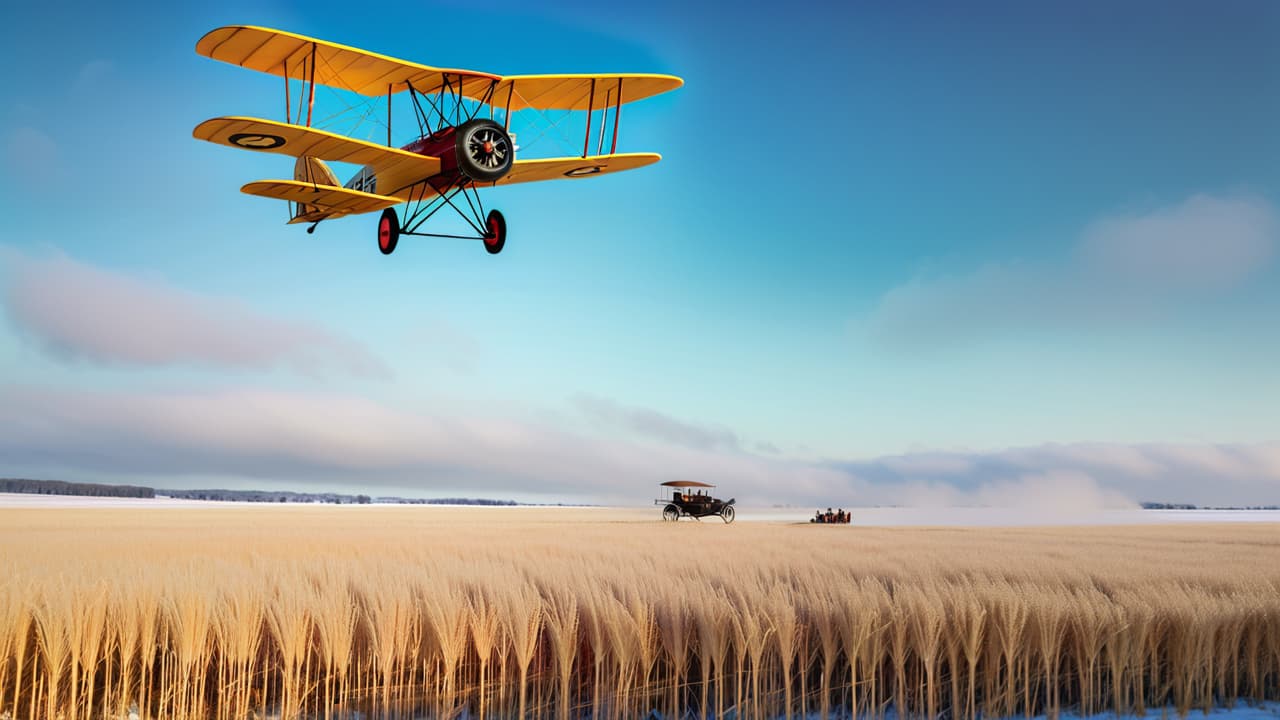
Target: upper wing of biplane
(523, 171)
(346, 68)
(303, 58)
(395, 167)
(578, 92)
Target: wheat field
(420, 612)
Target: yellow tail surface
(315, 201)
(313, 171)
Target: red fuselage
(440, 145)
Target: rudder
(314, 171)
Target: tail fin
(313, 171)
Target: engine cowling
(478, 149)
(484, 150)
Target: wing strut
(506, 114)
(586, 142)
(617, 115)
(604, 120)
(311, 91)
(287, 110)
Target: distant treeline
(59, 487)
(445, 501)
(266, 496)
(286, 496)
(1188, 506)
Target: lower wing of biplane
(455, 154)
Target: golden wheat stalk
(509, 620)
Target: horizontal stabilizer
(523, 171)
(321, 201)
(296, 140)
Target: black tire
(495, 236)
(728, 514)
(388, 231)
(671, 513)
(484, 150)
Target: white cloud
(1205, 242)
(78, 311)
(647, 423)
(928, 464)
(1063, 491)
(318, 440)
(336, 439)
(1083, 474)
(1124, 269)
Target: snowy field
(1015, 517)
(862, 517)
(1261, 711)
(1241, 711)
(20, 500)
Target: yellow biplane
(455, 152)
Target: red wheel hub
(384, 233)
(491, 239)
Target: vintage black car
(690, 498)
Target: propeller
(489, 148)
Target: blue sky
(880, 234)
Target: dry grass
(315, 612)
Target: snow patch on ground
(1243, 710)
(862, 517)
(32, 500)
(1012, 517)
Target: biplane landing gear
(388, 231)
(495, 235)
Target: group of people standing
(839, 517)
